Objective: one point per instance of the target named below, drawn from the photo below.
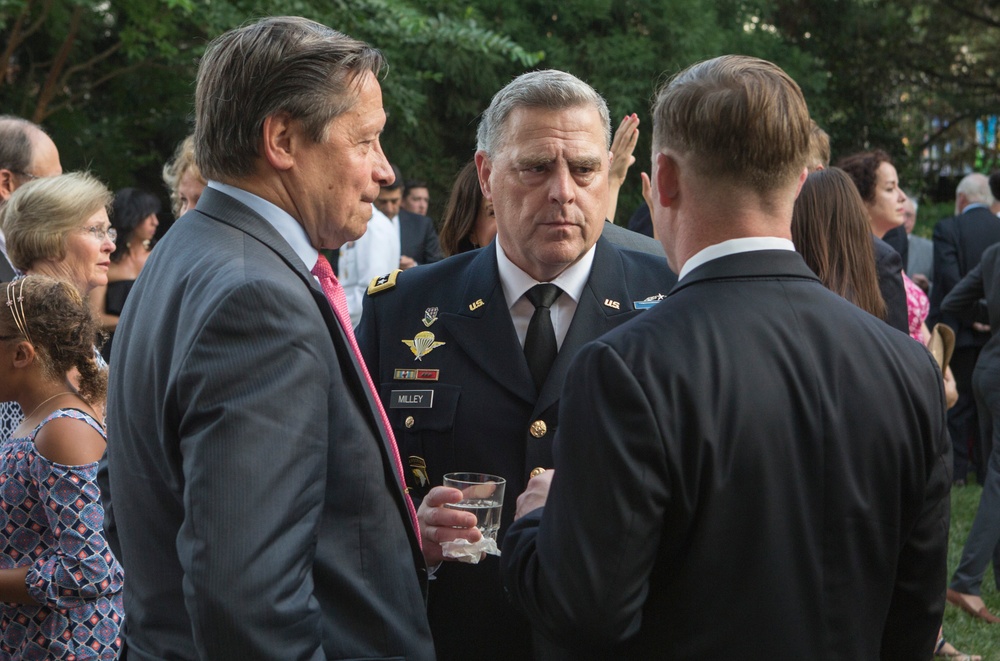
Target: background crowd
(239, 392)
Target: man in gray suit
(258, 495)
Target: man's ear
(484, 166)
(7, 184)
(280, 137)
(667, 179)
(24, 354)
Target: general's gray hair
(281, 64)
(549, 89)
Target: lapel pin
(422, 344)
(615, 305)
(478, 304)
(648, 302)
(430, 316)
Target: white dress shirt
(516, 282)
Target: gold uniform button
(535, 472)
(538, 428)
(409, 421)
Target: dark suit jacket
(898, 240)
(258, 510)
(736, 480)
(484, 405)
(889, 268)
(418, 239)
(959, 243)
(977, 298)
(632, 240)
(6, 270)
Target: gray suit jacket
(258, 511)
(632, 240)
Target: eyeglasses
(99, 232)
(26, 174)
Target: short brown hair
(40, 215)
(281, 64)
(739, 118)
(819, 148)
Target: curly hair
(862, 168)
(61, 328)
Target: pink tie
(338, 301)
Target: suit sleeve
(966, 299)
(432, 246)
(890, 270)
(918, 594)
(255, 389)
(580, 567)
(946, 269)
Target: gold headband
(16, 306)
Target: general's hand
(406, 262)
(440, 524)
(622, 147)
(535, 495)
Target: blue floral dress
(51, 520)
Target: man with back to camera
(460, 332)
(259, 497)
(959, 243)
(732, 432)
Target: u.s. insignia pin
(430, 316)
(422, 344)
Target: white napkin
(470, 552)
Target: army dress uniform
(439, 342)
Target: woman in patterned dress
(60, 584)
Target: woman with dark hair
(60, 583)
(468, 222)
(133, 215)
(830, 229)
(878, 184)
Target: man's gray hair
(976, 189)
(549, 89)
(277, 65)
(15, 143)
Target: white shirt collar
(284, 224)
(515, 281)
(733, 246)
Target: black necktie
(540, 346)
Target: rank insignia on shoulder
(430, 316)
(406, 374)
(648, 302)
(422, 344)
(383, 282)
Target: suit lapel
(224, 209)
(480, 324)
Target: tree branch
(49, 87)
